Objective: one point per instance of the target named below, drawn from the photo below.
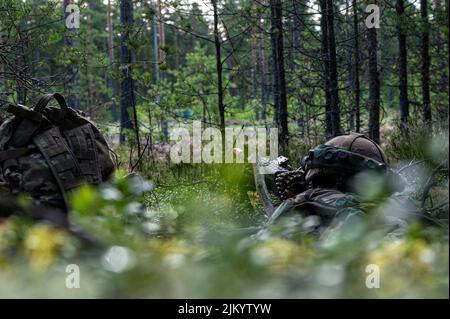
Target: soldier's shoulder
(325, 198)
(324, 202)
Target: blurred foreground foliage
(203, 234)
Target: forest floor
(195, 231)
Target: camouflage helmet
(359, 144)
(343, 156)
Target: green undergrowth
(201, 232)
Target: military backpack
(46, 152)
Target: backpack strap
(23, 132)
(31, 119)
(82, 141)
(43, 101)
(15, 152)
(30, 122)
(24, 112)
(60, 159)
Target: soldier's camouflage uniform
(323, 187)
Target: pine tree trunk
(356, 85)
(350, 66)
(71, 72)
(219, 68)
(254, 67)
(425, 72)
(21, 69)
(262, 70)
(162, 60)
(162, 33)
(127, 99)
(440, 49)
(334, 90)
(177, 48)
(279, 86)
(326, 67)
(37, 63)
(112, 81)
(37, 52)
(89, 75)
(3, 73)
(297, 28)
(374, 86)
(254, 71)
(156, 46)
(402, 65)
